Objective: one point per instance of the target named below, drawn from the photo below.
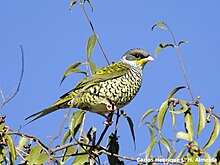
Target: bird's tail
(62, 103)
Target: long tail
(62, 103)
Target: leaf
(183, 109)
(147, 113)
(207, 157)
(189, 124)
(165, 143)
(43, 158)
(162, 113)
(90, 46)
(22, 142)
(160, 47)
(11, 148)
(113, 147)
(160, 25)
(172, 114)
(191, 159)
(154, 119)
(90, 4)
(182, 135)
(92, 67)
(213, 135)
(75, 121)
(71, 4)
(65, 137)
(182, 42)
(72, 69)
(81, 158)
(67, 154)
(131, 125)
(174, 91)
(201, 118)
(34, 154)
(153, 142)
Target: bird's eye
(137, 55)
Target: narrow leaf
(90, 46)
(92, 67)
(11, 148)
(160, 47)
(147, 113)
(154, 119)
(90, 4)
(174, 91)
(191, 159)
(81, 158)
(182, 42)
(162, 113)
(201, 118)
(66, 154)
(213, 135)
(71, 4)
(189, 124)
(166, 144)
(75, 121)
(113, 147)
(131, 125)
(65, 137)
(153, 142)
(73, 69)
(22, 142)
(183, 109)
(182, 135)
(207, 157)
(160, 25)
(172, 115)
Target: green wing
(102, 74)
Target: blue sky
(53, 38)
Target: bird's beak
(145, 60)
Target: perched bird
(108, 89)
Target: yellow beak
(144, 60)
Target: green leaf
(191, 159)
(172, 114)
(11, 148)
(43, 158)
(189, 124)
(162, 113)
(146, 114)
(71, 4)
(67, 152)
(113, 147)
(92, 67)
(165, 143)
(75, 121)
(154, 119)
(174, 91)
(81, 158)
(160, 25)
(22, 142)
(182, 42)
(73, 69)
(131, 125)
(182, 135)
(160, 47)
(201, 118)
(213, 135)
(34, 154)
(65, 137)
(153, 142)
(180, 155)
(183, 109)
(207, 157)
(3, 153)
(90, 46)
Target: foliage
(79, 147)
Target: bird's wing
(102, 74)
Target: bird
(108, 89)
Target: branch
(94, 32)
(9, 98)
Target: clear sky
(53, 38)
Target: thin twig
(94, 32)
(9, 98)
(181, 62)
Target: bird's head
(136, 57)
